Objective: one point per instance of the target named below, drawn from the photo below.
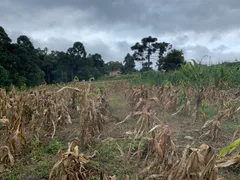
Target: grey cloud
(180, 40)
(215, 37)
(160, 15)
(97, 46)
(56, 44)
(221, 48)
(14, 35)
(115, 51)
(123, 46)
(110, 27)
(216, 55)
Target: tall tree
(171, 61)
(129, 64)
(162, 48)
(143, 51)
(25, 42)
(149, 46)
(5, 81)
(61, 71)
(97, 60)
(10, 60)
(138, 54)
(23, 64)
(77, 56)
(112, 66)
(4, 39)
(30, 61)
(48, 63)
(98, 64)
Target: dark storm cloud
(110, 27)
(160, 15)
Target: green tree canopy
(4, 39)
(5, 81)
(149, 46)
(171, 61)
(22, 64)
(25, 42)
(112, 66)
(129, 64)
(76, 59)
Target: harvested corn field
(111, 130)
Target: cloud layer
(111, 27)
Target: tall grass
(220, 75)
(119, 77)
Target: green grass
(110, 158)
(36, 161)
(210, 111)
(36, 164)
(215, 75)
(226, 125)
(229, 125)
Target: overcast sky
(111, 27)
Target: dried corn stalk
(165, 152)
(213, 127)
(94, 114)
(146, 118)
(72, 165)
(6, 158)
(196, 164)
(137, 93)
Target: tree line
(22, 64)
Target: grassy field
(124, 148)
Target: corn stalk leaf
(229, 162)
(229, 149)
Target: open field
(111, 130)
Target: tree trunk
(48, 76)
(148, 61)
(71, 74)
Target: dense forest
(21, 64)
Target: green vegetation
(171, 61)
(37, 161)
(21, 64)
(53, 147)
(144, 51)
(4, 78)
(220, 75)
(129, 65)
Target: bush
(5, 81)
(53, 146)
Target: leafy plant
(53, 146)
